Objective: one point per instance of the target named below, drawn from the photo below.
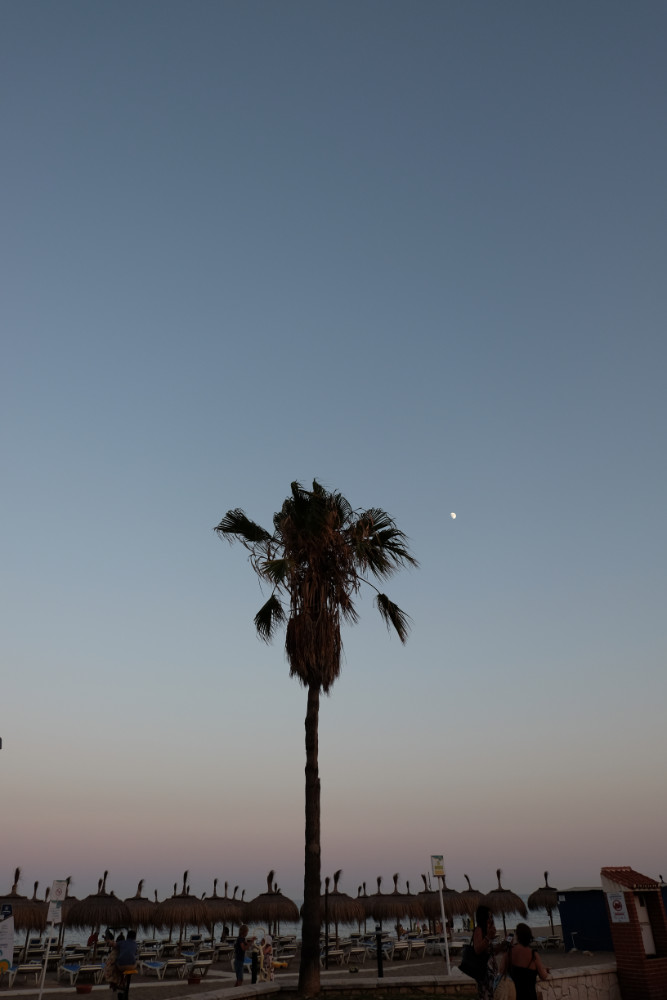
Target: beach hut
(584, 919)
(181, 910)
(545, 898)
(271, 907)
(99, 908)
(504, 901)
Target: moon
(453, 516)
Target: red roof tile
(629, 878)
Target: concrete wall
(595, 982)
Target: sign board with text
(618, 908)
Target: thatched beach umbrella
(429, 901)
(363, 899)
(241, 903)
(545, 898)
(221, 908)
(181, 910)
(29, 914)
(452, 901)
(413, 902)
(392, 905)
(99, 908)
(472, 898)
(18, 903)
(142, 909)
(341, 908)
(68, 903)
(505, 901)
(271, 907)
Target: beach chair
(68, 970)
(199, 967)
(399, 949)
(177, 965)
(152, 967)
(24, 969)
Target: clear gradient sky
(416, 250)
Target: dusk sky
(415, 250)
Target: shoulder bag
(505, 988)
(472, 964)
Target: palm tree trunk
(309, 970)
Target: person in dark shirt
(127, 952)
(241, 946)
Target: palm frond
(378, 544)
(392, 615)
(276, 570)
(235, 522)
(268, 618)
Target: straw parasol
(363, 899)
(142, 909)
(545, 898)
(505, 901)
(429, 900)
(392, 905)
(29, 914)
(341, 908)
(453, 902)
(181, 910)
(18, 903)
(472, 898)
(68, 903)
(241, 903)
(413, 901)
(99, 908)
(271, 906)
(221, 908)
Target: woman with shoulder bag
(524, 965)
(483, 943)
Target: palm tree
(315, 561)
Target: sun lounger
(357, 953)
(73, 970)
(24, 969)
(400, 949)
(153, 968)
(199, 967)
(177, 965)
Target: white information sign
(617, 908)
(6, 937)
(438, 865)
(59, 890)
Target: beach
(220, 978)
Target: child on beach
(241, 946)
(266, 951)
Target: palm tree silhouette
(319, 554)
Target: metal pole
(49, 930)
(444, 927)
(378, 950)
(326, 923)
